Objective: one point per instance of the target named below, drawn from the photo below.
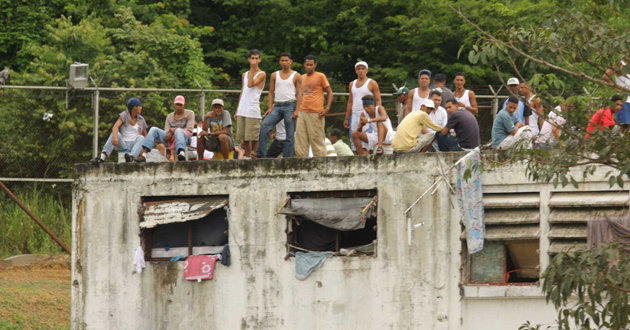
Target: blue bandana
(133, 102)
(368, 102)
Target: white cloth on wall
(138, 260)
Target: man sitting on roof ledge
(507, 131)
(406, 138)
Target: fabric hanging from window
(157, 213)
(336, 213)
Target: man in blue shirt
(507, 131)
(522, 111)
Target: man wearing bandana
(374, 128)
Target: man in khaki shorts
(248, 112)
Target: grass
(21, 235)
(35, 298)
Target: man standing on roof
(248, 112)
(406, 138)
(439, 81)
(401, 102)
(310, 111)
(179, 125)
(419, 95)
(359, 88)
(283, 96)
(465, 98)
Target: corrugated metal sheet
(157, 213)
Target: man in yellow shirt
(406, 138)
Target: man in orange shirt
(310, 112)
(604, 117)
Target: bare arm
(473, 103)
(239, 96)
(329, 97)
(445, 130)
(251, 82)
(346, 123)
(376, 91)
(272, 91)
(115, 130)
(516, 127)
(607, 75)
(298, 96)
(382, 115)
(409, 102)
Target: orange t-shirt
(313, 92)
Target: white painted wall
(403, 287)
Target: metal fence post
(95, 138)
(202, 104)
(495, 101)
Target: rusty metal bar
(35, 218)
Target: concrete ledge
(494, 291)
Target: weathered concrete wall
(403, 287)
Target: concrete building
(430, 283)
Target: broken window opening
(343, 222)
(176, 227)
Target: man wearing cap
(465, 98)
(216, 135)
(374, 130)
(248, 112)
(406, 138)
(439, 81)
(401, 102)
(283, 87)
(127, 134)
(359, 88)
(310, 111)
(522, 111)
(419, 95)
(507, 131)
(179, 125)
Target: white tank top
(358, 93)
(533, 119)
(129, 133)
(249, 105)
(285, 88)
(374, 126)
(417, 100)
(464, 99)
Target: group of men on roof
(435, 119)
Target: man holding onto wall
(310, 111)
(248, 113)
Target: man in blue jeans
(178, 125)
(283, 96)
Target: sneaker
(97, 161)
(181, 155)
(128, 158)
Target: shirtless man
(247, 115)
(283, 95)
(465, 98)
(359, 88)
(419, 95)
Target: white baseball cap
(513, 81)
(364, 63)
(217, 101)
(429, 104)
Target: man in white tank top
(375, 128)
(359, 88)
(537, 117)
(465, 98)
(283, 87)
(247, 115)
(419, 95)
